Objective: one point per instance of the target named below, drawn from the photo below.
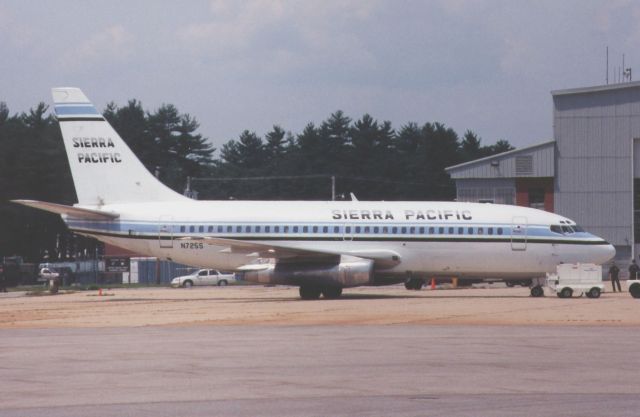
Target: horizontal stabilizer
(82, 213)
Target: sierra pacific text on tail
(322, 247)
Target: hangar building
(590, 172)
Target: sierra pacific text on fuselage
(428, 214)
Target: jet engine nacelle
(348, 271)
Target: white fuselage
(431, 238)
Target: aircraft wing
(78, 212)
(381, 257)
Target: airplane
(321, 247)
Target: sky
(487, 66)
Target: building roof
(596, 89)
(532, 161)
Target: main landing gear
(308, 292)
(414, 284)
(537, 291)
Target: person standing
(633, 270)
(614, 271)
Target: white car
(47, 273)
(204, 277)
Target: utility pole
(333, 188)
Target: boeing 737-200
(321, 247)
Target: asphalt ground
(572, 366)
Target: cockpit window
(556, 229)
(567, 229)
(578, 229)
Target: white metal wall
(594, 133)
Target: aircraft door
(165, 232)
(519, 233)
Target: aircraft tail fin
(104, 169)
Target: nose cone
(605, 253)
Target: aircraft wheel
(566, 292)
(309, 293)
(634, 290)
(331, 292)
(537, 291)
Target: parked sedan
(204, 277)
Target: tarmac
(78, 355)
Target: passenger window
(257, 229)
(305, 229)
(470, 230)
(295, 229)
(267, 229)
(182, 229)
(431, 230)
(238, 229)
(451, 230)
(480, 231)
(376, 229)
(490, 230)
(366, 229)
(276, 229)
(499, 230)
(357, 229)
(394, 230)
(210, 229)
(315, 229)
(285, 229)
(441, 230)
(385, 230)
(247, 229)
(336, 229)
(347, 230)
(201, 229)
(192, 229)
(461, 230)
(325, 229)
(229, 229)
(421, 230)
(403, 230)
(220, 229)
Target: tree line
(367, 157)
